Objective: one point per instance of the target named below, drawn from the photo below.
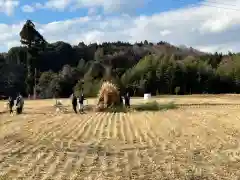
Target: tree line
(57, 69)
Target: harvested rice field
(199, 140)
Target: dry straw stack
(108, 95)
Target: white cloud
(108, 6)
(57, 4)
(28, 9)
(165, 32)
(8, 6)
(92, 11)
(207, 28)
(11, 44)
(38, 5)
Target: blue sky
(46, 15)
(202, 26)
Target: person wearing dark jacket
(74, 103)
(10, 104)
(19, 104)
(81, 99)
(127, 100)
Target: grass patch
(154, 106)
(115, 109)
(148, 106)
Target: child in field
(10, 104)
(74, 103)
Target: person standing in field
(10, 104)
(127, 100)
(81, 99)
(19, 104)
(74, 103)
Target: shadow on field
(209, 104)
(3, 112)
(148, 106)
(34, 112)
(24, 113)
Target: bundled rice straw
(108, 95)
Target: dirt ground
(191, 142)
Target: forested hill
(59, 68)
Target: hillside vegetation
(161, 68)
